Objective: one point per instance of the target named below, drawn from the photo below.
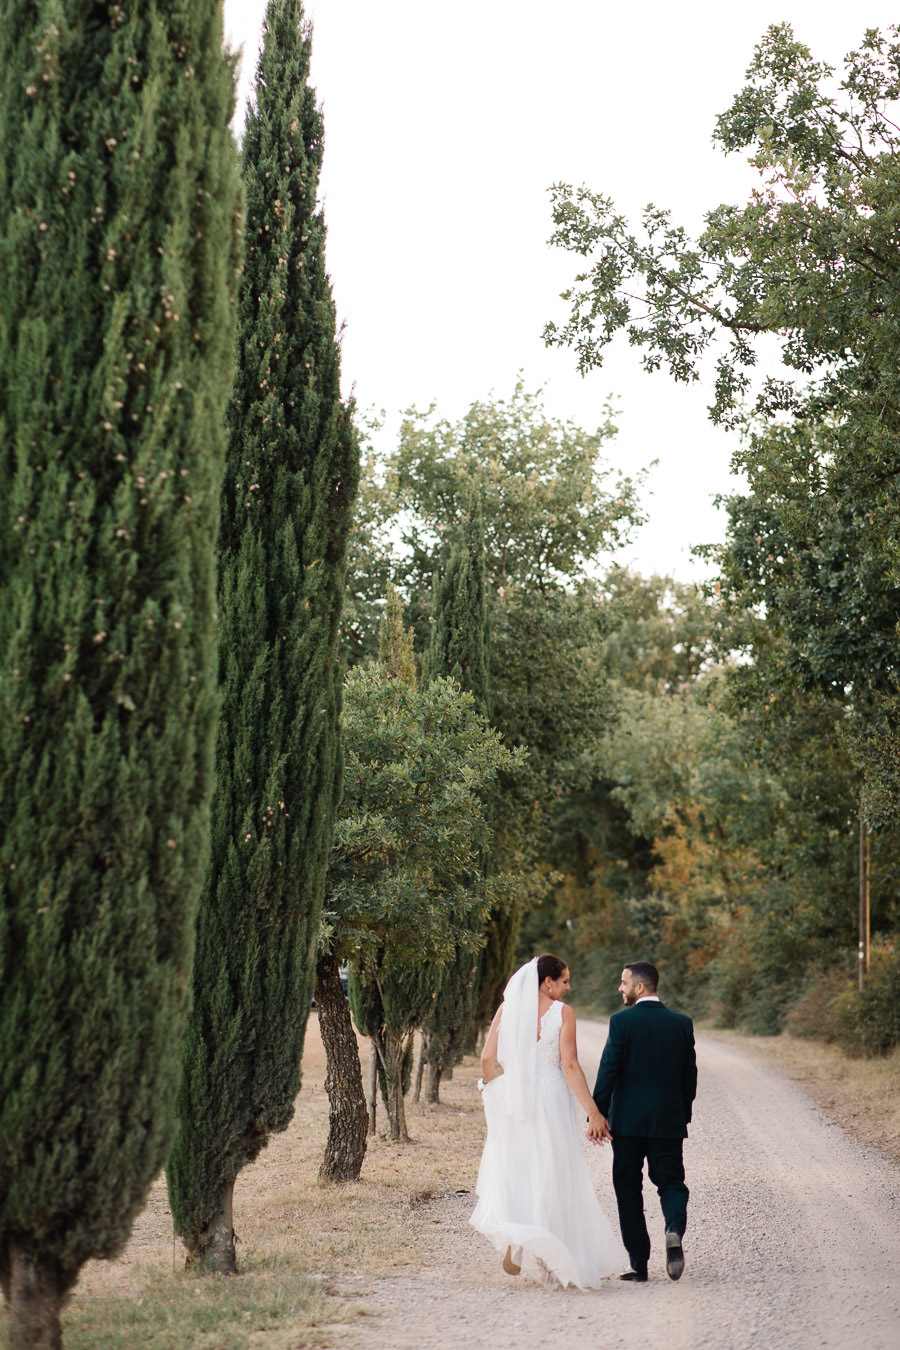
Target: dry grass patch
(270, 1304)
(305, 1248)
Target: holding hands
(598, 1129)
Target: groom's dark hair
(647, 974)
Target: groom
(645, 1085)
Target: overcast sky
(445, 125)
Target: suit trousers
(665, 1166)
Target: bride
(535, 1198)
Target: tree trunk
(372, 1086)
(395, 1052)
(433, 1090)
(36, 1290)
(419, 1065)
(401, 1101)
(214, 1253)
(348, 1119)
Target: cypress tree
(459, 636)
(289, 484)
(458, 648)
(119, 210)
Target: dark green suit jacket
(647, 1078)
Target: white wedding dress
(534, 1191)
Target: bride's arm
(489, 1066)
(568, 1052)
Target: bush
(867, 1022)
(814, 1016)
(747, 980)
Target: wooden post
(864, 917)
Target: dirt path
(793, 1244)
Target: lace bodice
(548, 1057)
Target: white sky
(445, 124)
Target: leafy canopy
(549, 503)
(811, 257)
(403, 885)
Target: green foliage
(813, 1015)
(812, 566)
(832, 1007)
(549, 505)
(290, 480)
(370, 559)
(405, 895)
(459, 648)
(118, 261)
(412, 824)
(636, 785)
(388, 1009)
(550, 693)
(867, 1021)
(395, 647)
(716, 832)
(661, 633)
(501, 935)
(808, 566)
(810, 259)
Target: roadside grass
(271, 1301)
(306, 1250)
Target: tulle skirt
(535, 1194)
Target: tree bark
(433, 1088)
(372, 1086)
(36, 1290)
(214, 1253)
(419, 1065)
(395, 1053)
(348, 1120)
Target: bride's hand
(598, 1130)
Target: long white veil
(517, 1048)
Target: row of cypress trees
(290, 480)
(120, 258)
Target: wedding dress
(534, 1191)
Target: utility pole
(864, 919)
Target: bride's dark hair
(550, 965)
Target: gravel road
(793, 1243)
